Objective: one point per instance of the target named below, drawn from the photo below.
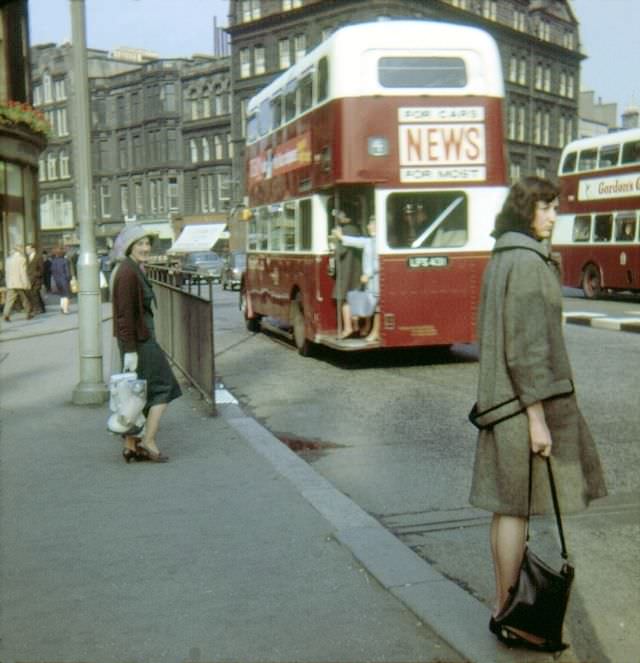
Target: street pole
(91, 389)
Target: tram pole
(91, 389)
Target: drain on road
(305, 447)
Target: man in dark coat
(46, 271)
(35, 272)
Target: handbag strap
(556, 505)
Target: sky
(609, 32)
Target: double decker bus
(401, 120)
(596, 233)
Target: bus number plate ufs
(418, 262)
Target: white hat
(129, 235)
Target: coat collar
(515, 240)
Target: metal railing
(184, 325)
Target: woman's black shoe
(510, 639)
(129, 455)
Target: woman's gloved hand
(130, 362)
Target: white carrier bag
(128, 396)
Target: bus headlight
(377, 146)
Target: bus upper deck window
(422, 72)
(305, 90)
(631, 152)
(323, 79)
(252, 128)
(609, 155)
(290, 102)
(276, 111)
(569, 163)
(588, 159)
(264, 118)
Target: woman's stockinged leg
(151, 426)
(507, 548)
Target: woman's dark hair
(519, 208)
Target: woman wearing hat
(133, 327)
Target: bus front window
(427, 220)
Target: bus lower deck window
(582, 229)
(427, 220)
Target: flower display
(15, 113)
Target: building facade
(160, 141)
(168, 135)
(538, 42)
(23, 133)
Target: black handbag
(538, 602)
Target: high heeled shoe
(153, 456)
(129, 455)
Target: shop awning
(200, 237)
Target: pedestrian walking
(35, 270)
(526, 407)
(61, 276)
(17, 281)
(133, 327)
(104, 262)
(46, 271)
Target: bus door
(429, 281)
(355, 204)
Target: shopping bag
(127, 398)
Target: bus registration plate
(419, 262)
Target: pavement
(235, 550)
(627, 323)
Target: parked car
(203, 264)
(234, 265)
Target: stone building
(53, 93)
(23, 133)
(160, 141)
(206, 132)
(538, 41)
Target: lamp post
(91, 389)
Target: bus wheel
(591, 284)
(252, 324)
(303, 344)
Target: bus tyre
(591, 283)
(302, 343)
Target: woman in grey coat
(526, 402)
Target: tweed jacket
(128, 306)
(523, 360)
(523, 355)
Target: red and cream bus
(596, 233)
(397, 119)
